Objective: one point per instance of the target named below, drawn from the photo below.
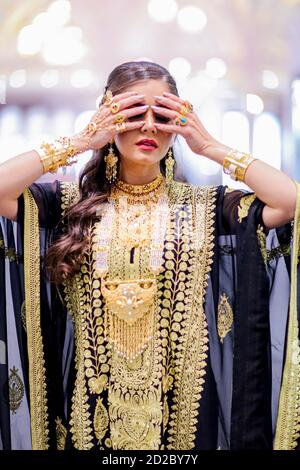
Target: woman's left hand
(195, 134)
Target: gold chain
(130, 302)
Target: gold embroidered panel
(154, 401)
(16, 390)
(37, 374)
(225, 317)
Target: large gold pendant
(129, 313)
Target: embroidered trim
(37, 376)
(23, 314)
(61, 434)
(180, 351)
(288, 420)
(282, 250)
(261, 236)
(190, 354)
(225, 317)
(69, 195)
(244, 206)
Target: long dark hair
(65, 255)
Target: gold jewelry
(189, 106)
(91, 128)
(140, 189)
(236, 164)
(114, 107)
(183, 110)
(135, 209)
(181, 121)
(111, 164)
(120, 126)
(130, 303)
(59, 153)
(170, 162)
(119, 118)
(108, 98)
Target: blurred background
(237, 61)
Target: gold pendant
(129, 314)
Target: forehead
(149, 87)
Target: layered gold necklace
(135, 217)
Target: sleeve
(237, 206)
(47, 197)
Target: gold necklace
(140, 189)
(135, 212)
(130, 303)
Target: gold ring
(119, 118)
(91, 128)
(184, 110)
(120, 126)
(108, 98)
(114, 107)
(189, 106)
(181, 121)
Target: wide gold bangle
(236, 164)
(57, 154)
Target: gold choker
(140, 189)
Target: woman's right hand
(102, 126)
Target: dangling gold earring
(111, 164)
(170, 162)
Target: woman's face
(126, 141)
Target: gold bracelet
(59, 153)
(236, 164)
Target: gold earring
(111, 164)
(170, 162)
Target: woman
(159, 329)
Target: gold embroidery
(245, 204)
(261, 236)
(23, 314)
(101, 420)
(190, 353)
(61, 434)
(80, 422)
(37, 380)
(288, 420)
(282, 250)
(141, 418)
(69, 195)
(8, 252)
(225, 317)
(16, 390)
(174, 361)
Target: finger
(172, 104)
(135, 111)
(171, 128)
(129, 126)
(165, 112)
(132, 100)
(125, 94)
(173, 97)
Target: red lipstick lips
(147, 144)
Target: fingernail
(166, 93)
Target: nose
(149, 122)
